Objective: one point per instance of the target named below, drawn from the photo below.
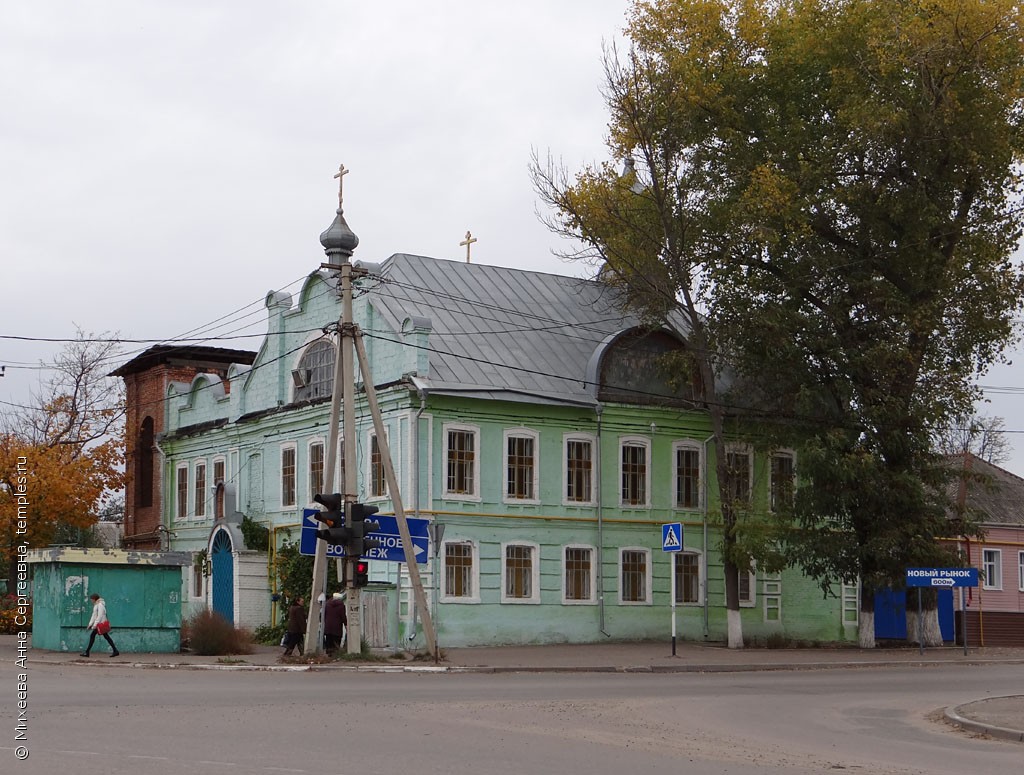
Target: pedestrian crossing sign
(672, 537)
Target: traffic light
(362, 574)
(336, 533)
(361, 527)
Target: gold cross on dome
(340, 177)
(470, 239)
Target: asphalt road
(87, 720)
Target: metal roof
(498, 332)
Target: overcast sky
(163, 164)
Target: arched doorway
(223, 583)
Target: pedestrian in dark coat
(296, 627)
(335, 620)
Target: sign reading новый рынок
(942, 577)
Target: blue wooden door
(223, 577)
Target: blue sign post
(672, 541)
(942, 578)
(390, 549)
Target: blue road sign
(390, 549)
(672, 537)
(942, 577)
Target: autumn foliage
(61, 459)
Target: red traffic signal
(362, 574)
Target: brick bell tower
(146, 378)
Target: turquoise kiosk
(142, 591)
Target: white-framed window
(315, 373)
(1020, 571)
(219, 473)
(634, 467)
(288, 474)
(992, 567)
(783, 481)
(181, 502)
(634, 576)
(201, 492)
(687, 468)
(771, 595)
(520, 572)
(578, 575)
(460, 571)
(578, 478)
(851, 603)
(739, 462)
(748, 587)
(521, 465)
(196, 577)
(687, 567)
(378, 481)
(462, 461)
(315, 456)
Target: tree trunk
(866, 619)
(931, 633)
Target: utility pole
(339, 242)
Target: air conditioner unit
(300, 377)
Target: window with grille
(579, 584)
(316, 368)
(687, 567)
(288, 476)
(578, 470)
(687, 478)
(783, 481)
(461, 462)
(458, 570)
(182, 504)
(634, 474)
(738, 487)
(633, 581)
(518, 572)
(378, 486)
(200, 489)
(316, 469)
(520, 467)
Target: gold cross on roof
(470, 239)
(340, 177)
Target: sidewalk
(1001, 717)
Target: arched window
(315, 376)
(648, 368)
(144, 464)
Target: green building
(525, 413)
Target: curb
(954, 715)
(503, 669)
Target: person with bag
(99, 625)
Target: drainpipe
(600, 525)
(163, 472)
(416, 496)
(704, 519)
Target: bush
(269, 634)
(210, 634)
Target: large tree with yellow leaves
(829, 190)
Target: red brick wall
(146, 393)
